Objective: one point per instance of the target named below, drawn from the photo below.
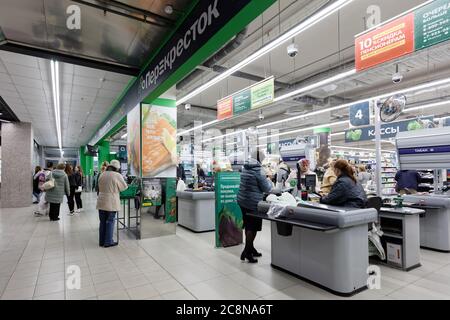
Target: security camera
(261, 117)
(187, 106)
(397, 77)
(292, 50)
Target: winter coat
(110, 184)
(75, 180)
(56, 194)
(253, 185)
(346, 193)
(329, 179)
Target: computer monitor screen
(310, 182)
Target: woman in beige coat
(110, 184)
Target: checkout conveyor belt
(325, 245)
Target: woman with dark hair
(110, 184)
(72, 184)
(346, 191)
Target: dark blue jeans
(107, 222)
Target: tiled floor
(35, 254)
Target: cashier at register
(346, 191)
(301, 172)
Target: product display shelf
(426, 183)
(387, 177)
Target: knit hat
(115, 164)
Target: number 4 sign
(360, 114)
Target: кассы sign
(388, 130)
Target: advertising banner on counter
(388, 42)
(171, 200)
(229, 222)
(388, 130)
(159, 148)
(253, 97)
(134, 141)
(432, 24)
(151, 192)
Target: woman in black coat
(346, 191)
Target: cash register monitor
(310, 182)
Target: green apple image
(414, 125)
(356, 135)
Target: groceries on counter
(286, 198)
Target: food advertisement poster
(388, 130)
(432, 24)
(133, 141)
(171, 200)
(388, 42)
(159, 148)
(229, 222)
(151, 192)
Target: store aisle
(34, 254)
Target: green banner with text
(229, 223)
(432, 24)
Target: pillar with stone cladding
(17, 165)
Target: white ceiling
(25, 85)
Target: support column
(103, 153)
(86, 163)
(17, 165)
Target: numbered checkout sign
(360, 114)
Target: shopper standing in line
(68, 170)
(78, 179)
(105, 165)
(407, 181)
(55, 196)
(110, 184)
(346, 191)
(38, 180)
(363, 176)
(252, 188)
(329, 178)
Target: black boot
(256, 253)
(248, 256)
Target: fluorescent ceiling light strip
(305, 25)
(427, 106)
(55, 88)
(315, 85)
(308, 128)
(197, 127)
(124, 136)
(342, 106)
(58, 101)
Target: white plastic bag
(276, 210)
(181, 186)
(43, 205)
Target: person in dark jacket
(78, 177)
(346, 191)
(252, 188)
(72, 184)
(407, 181)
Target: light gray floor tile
(178, 295)
(53, 296)
(142, 292)
(117, 295)
(166, 286)
(49, 288)
(220, 289)
(108, 287)
(134, 281)
(18, 294)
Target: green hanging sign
(432, 24)
(229, 223)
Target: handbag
(48, 185)
(79, 189)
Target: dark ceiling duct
(211, 62)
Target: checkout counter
(196, 210)
(322, 244)
(423, 150)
